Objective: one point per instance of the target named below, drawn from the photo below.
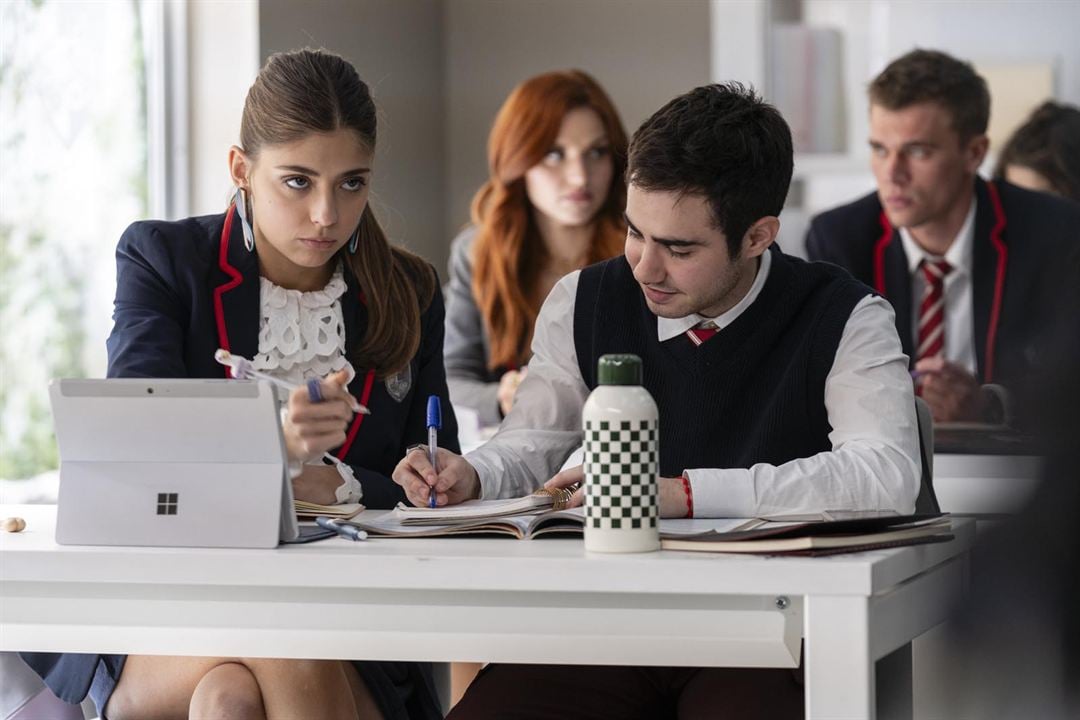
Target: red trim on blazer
(999, 275)
(369, 381)
(365, 395)
(879, 254)
(999, 278)
(237, 278)
(223, 335)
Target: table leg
(838, 668)
(894, 687)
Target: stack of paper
(309, 511)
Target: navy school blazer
(1026, 258)
(186, 288)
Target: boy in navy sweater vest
(781, 386)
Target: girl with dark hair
(553, 203)
(1044, 153)
(297, 275)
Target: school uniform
(472, 383)
(189, 287)
(1008, 267)
(796, 399)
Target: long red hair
(508, 252)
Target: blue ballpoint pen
(348, 531)
(434, 424)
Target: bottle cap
(622, 369)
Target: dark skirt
(401, 690)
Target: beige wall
(397, 47)
(643, 52)
(441, 68)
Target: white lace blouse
(302, 334)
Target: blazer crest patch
(398, 385)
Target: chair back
(927, 501)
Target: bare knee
(302, 673)
(227, 691)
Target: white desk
(542, 601)
(984, 484)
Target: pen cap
(434, 412)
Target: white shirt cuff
(489, 477)
(725, 493)
(350, 490)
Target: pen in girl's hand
(242, 369)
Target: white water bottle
(620, 421)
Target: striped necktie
(932, 309)
(701, 332)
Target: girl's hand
(508, 385)
(312, 428)
(317, 484)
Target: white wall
(981, 31)
(223, 47)
(985, 32)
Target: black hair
(722, 142)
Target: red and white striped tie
(701, 332)
(932, 309)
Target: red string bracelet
(689, 496)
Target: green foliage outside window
(73, 149)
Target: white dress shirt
(959, 303)
(873, 464)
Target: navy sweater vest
(755, 391)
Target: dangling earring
(354, 240)
(240, 201)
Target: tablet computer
(196, 463)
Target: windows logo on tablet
(167, 503)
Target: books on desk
(854, 533)
(309, 510)
(529, 517)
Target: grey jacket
(465, 347)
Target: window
(74, 159)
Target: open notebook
(523, 525)
(529, 517)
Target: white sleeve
(544, 425)
(874, 462)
